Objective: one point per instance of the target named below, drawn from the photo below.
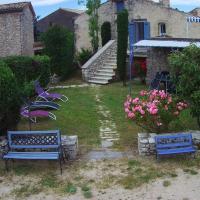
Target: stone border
(146, 142)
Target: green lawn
(79, 116)
(76, 117)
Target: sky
(45, 7)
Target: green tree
(185, 68)
(59, 46)
(92, 10)
(105, 32)
(9, 101)
(122, 43)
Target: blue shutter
(146, 30)
(120, 6)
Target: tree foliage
(59, 46)
(185, 67)
(122, 43)
(105, 32)
(83, 56)
(10, 99)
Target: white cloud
(35, 2)
(184, 2)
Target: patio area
(108, 157)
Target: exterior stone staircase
(101, 68)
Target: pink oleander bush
(154, 110)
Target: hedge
(28, 69)
(10, 99)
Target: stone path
(108, 130)
(108, 133)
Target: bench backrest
(173, 141)
(34, 139)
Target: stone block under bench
(70, 146)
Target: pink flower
(169, 100)
(143, 93)
(180, 108)
(126, 110)
(142, 112)
(136, 100)
(166, 107)
(131, 115)
(126, 104)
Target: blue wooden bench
(174, 144)
(34, 145)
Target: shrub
(83, 56)
(185, 67)
(154, 110)
(105, 32)
(122, 43)
(10, 99)
(59, 46)
(27, 69)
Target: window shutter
(146, 30)
(120, 6)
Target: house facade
(16, 29)
(151, 19)
(62, 17)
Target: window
(141, 30)
(162, 29)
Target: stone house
(160, 17)
(149, 19)
(16, 29)
(62, 17)
(158, 51)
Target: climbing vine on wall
(92, 10)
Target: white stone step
(105, 74)
(98, 82)
(105, 71)
(96, 77)
(110, 64)
(109, 67)
(113, 57)
(111, 61)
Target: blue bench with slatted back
(34, 145)
(174, 144)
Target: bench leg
(60, 162)
(157, 158)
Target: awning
(165, 43)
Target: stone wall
(146, 142)
(157, 61)
(16, 33)
(96, 62)
(106, 13)
(27, 32)
(10, 34)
